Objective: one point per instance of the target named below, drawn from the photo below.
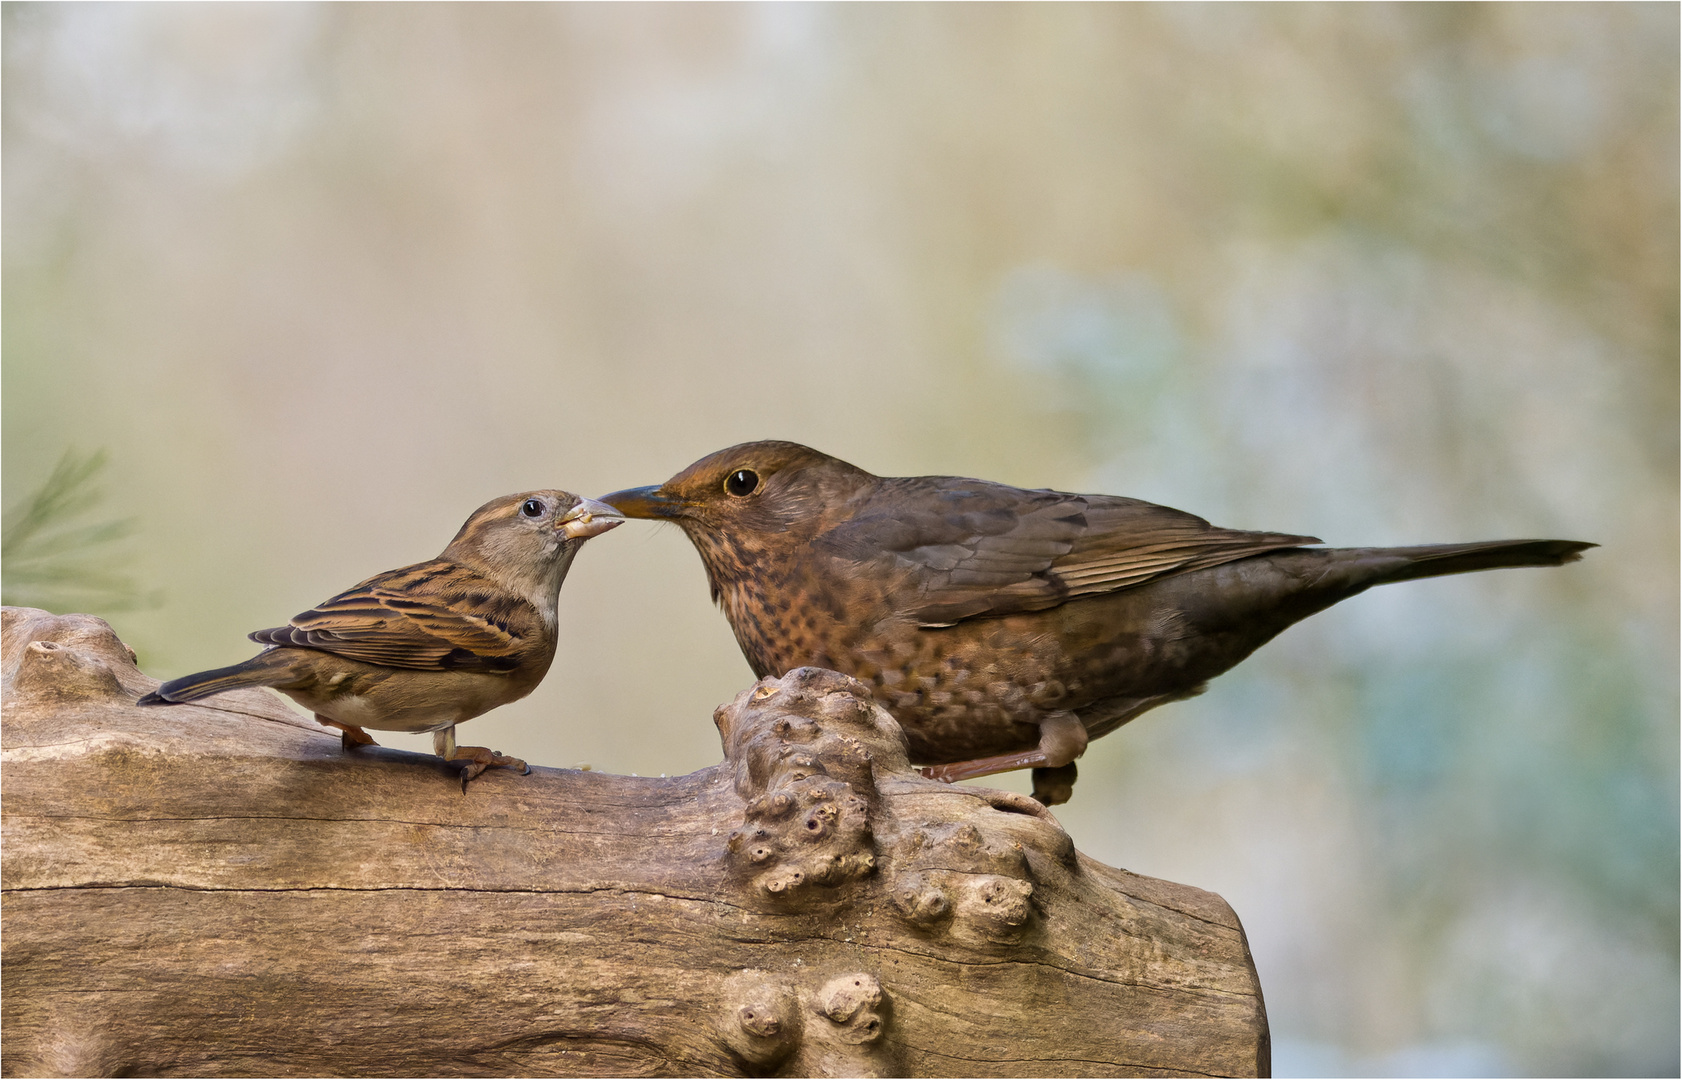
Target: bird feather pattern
(461, 621)
(989, 549)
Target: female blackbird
(432, 645)
(1004, 628)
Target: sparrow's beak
(643, 502)
(589, 518)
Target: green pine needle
(49, 559)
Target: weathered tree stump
(220, 889)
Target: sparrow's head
(750, 504)
(526, 541)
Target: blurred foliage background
(322, 279)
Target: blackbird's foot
(1054, 786)
(350, 736)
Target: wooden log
(220, 889)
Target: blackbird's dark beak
(644, 502)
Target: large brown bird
(1003, 627)
(429, 646)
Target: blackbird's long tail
(256, 671)
(1434, 560)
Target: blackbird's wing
(977, 549)
(432, 616)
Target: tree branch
(219, 890)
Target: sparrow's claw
(469, 771)
(480, 758)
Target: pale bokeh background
(323, 279)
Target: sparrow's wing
(432, 616)
(975, 548)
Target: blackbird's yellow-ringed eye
(532, 508)
(742, 482)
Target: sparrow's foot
(478, 758)
(350, 736)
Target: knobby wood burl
(220, 889)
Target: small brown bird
(1002, 627)
(432, 645)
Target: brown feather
(419, 618)
(984, 549)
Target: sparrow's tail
(1434, 560)
(256, 671)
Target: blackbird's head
(758, 490)
(751, 509)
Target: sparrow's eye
(532, 508)
(742, 482)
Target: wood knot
(56, 671)
(853, 1003)
(805, 749)
(973, 884)
(919, 900)
(761, 1022)
(811, 831)
(775, 1025)
(997, 907)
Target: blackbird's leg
(350, 736)
(1062, 739)
(478, 758)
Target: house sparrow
(432, 645)
(1002, 627)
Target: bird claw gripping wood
(479, 758)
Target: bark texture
(219, 889)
